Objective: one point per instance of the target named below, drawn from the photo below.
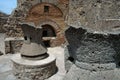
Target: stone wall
(95, 15)
(13, 45)
(92, 38)
(24, 6)
(91, 51)
(55, 17)
(3, 21)
(26, 11)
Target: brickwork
(34, 11)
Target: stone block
(13, 45)
(110, 26)
(83, 13)
(110, 9)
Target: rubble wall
(95, 15)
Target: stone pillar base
(96, 66)
(25, 69)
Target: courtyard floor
(6, 65)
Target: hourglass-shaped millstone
(33, 62)
(33, 47)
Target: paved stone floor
(59, 54)
(76, 73)
(6, 65)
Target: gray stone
(90, 47)
(13, 45)
(33, 45)
(76, 73)
(90, 17)
(95, 66)
(110, 9)
(2, 44)
(68, 63)
(7, 72)
(33, 69)
(96, 56)
(33, 62)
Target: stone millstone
(33, 47)
(92, 55)
(33, 51)
(33, 62)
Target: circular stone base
(95, 66)
(33, 70)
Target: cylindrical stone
(33, 47)
(33, 70)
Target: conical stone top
(33, 47)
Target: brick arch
(53, 18)
(38, 11)
(59, 38)
(52, 23)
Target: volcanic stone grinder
(92, 56)
(33, 62)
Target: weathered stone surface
(33, 45)
(109, 26)
(33, 11)
(6, 67)
(12, 28)
(95, 66)
(110, 9)
(94, 15)
(91, 47)
(2, 43)
(76, 73)
(94, 55)
(38, 70)
(68, 61)
(83, 14)
(13, 45)
(3, 21)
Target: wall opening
(45, 33)
(47, 43)
(48, 31)
(46, 9)
(71, 59)
(25, 37)
(11, 47)
(119, 63)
